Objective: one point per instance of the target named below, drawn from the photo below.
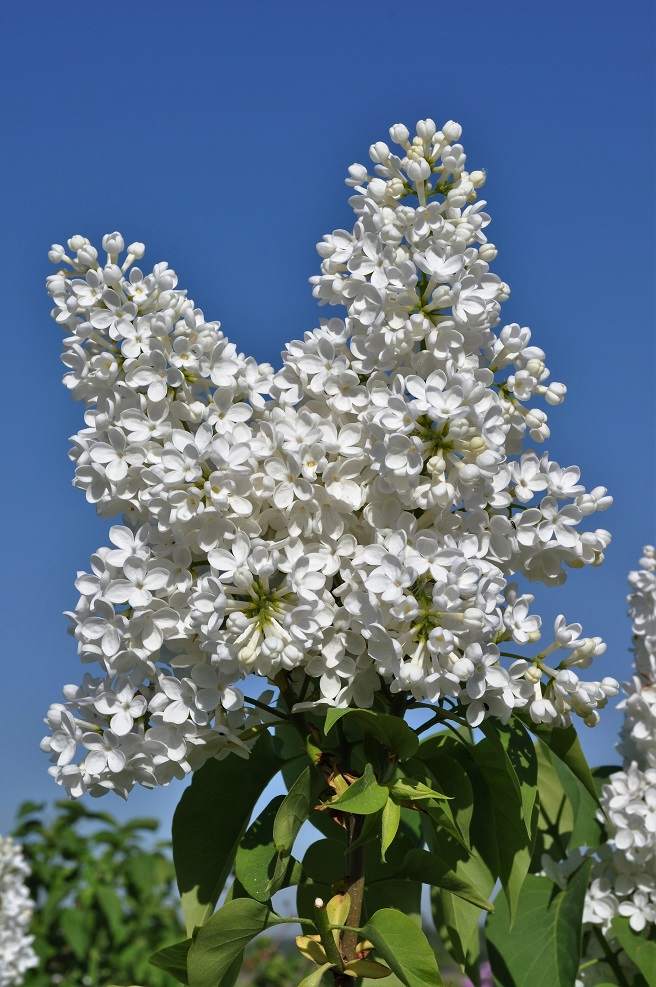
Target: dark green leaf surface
(173, 959)
(364, 796)
(220, 943)
(544, 947)
(404, 947)
(209, 822)
(292, 813)
(391, 731)
(255, 863)
(479, 866)
(325, 865)
(565, 744)
(515, 839)
(637, 948)
(420, 865)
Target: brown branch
(355, 890)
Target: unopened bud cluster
(357, 517)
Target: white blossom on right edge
(624, 877)
(16, 906)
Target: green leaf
(222, 940)
(451, 777)
(325, 865)
(404, 947)
(510, 802)
(420, 865)
(565, 744)
(568, 813)
(209, 822)
(520, 752)
(315, 978)
(478, 866)
(364, 796)
(110, 906)
(78, 926)
(256, 853)
(256, 859)
(556, 819)
(391, 731)
(641, 951)
(390, 819)
(544, 947)
(371, 829)
(292, 813)
(411, 790)
(586, 830)
(173, 959)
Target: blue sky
(219, 134)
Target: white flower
(16, 953)
(357, 516)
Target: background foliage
(104, 900)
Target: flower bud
(358, 174)
(56, 254)
(137, 250)
(426, 129)
(379, 152)
(452, 131)
(399, 133)
(395, 187)
(477, 178)
(555, 393)
(87, 255)
(113, 243)
(112, 275)
(76, 242)
(418, 171)
(488, 252)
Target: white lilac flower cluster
(352, 522)
(16, 953)
(625, 877)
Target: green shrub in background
(105, 897)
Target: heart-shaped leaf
(544, 947)
(404, 947)
(222, 940)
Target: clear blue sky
(219, 134)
